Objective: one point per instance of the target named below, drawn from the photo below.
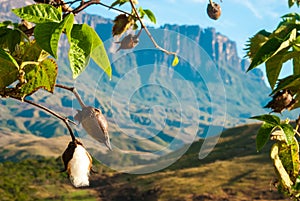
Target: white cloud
(250, 6)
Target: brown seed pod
(95, 124)
(128, 42)
(213, 11)
(281, 100)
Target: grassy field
(234, 171)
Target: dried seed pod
(94, 123)
(213, 11)
(128, 42)
(121, 24)
(281, 100)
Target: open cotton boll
(79, 167)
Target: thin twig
(116, 9)
(84, 6)
(148, 32)
(96, 2)
(74, 91)
(64, 119)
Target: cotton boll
(78, 164)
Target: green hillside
(233, 171)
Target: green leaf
(270, 119)
(296, 62)
(291, 3)
(99, 54)
(39, 13)
(265, 52)
(85, 43)
(9, 69)
(118, 2)
(255, 42)
(7, 57)
(6, 23)
(285, 45)
(274, 64)
(175, 61)
(263, 135)
(80, 48)
(273, 68)
(9, 38)
(150, 15)
(39, 76)
(32, 51)
(68, 25)
(291, 82)
(142, 12)
(48, 34)
(289, 133)
(289, 156)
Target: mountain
(233, 171)
(153, 109)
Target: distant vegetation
(234, 171)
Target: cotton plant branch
(64, 119)
(74, 91)
(92, 119)
(148, 32)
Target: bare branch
(74, 91)
(64, 119)
(84, 5)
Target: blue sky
(240, 19)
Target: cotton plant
(77, 161)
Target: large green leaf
(99, 54)
(274, 64)
(270, 119)
(85, 43)
(9, 69)
(39, 13)
(263, 135)
(265, 52)
(48, 34)
(39, 76)
(80, 48)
